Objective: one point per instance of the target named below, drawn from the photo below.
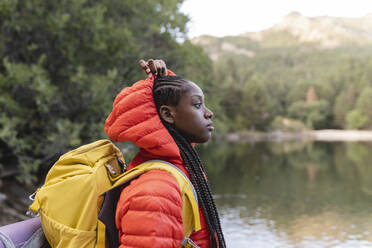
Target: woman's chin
(204, 139)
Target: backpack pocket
(60, 236)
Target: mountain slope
(322, 32)
(260, 77)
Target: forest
(292, 87)
(63, 62)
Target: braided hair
(168, 91)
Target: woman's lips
(210, 127)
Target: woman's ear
(167, 113)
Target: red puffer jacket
(149, 211)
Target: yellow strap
(101, 235)
(35, 206)
(190, 208)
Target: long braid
(209, 191)
(187, 157)
(168, 91)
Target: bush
(315, 114)
(62, 61)
(357, 120)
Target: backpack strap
(190, 207)
(106, 229)
(186, 241)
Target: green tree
(254, 109)
(361, 116)
(364, 102)
(62, 61)
(355, 119)
(343, 104)
(314, 115)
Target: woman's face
(191, 117)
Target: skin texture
(191, 117)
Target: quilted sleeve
(149, 212)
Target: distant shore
(329, 135)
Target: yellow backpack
(78, 199)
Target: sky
(233, 17)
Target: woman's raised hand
(154, 67)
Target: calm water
(293, 194)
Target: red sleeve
(149, 212)
(171, 73)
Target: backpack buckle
(110, 168)
(116, 166)
(188, 243)
(123, 165)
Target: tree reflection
(319, 190)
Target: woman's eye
(197, 105)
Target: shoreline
(326, 135)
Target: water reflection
(293, 194)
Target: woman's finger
(164, 71)
(144, 66)
(152, 66)
(158, 67)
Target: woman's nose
(208, 113)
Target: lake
(292, 194)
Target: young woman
(164, 117)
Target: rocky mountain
(322, 32)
